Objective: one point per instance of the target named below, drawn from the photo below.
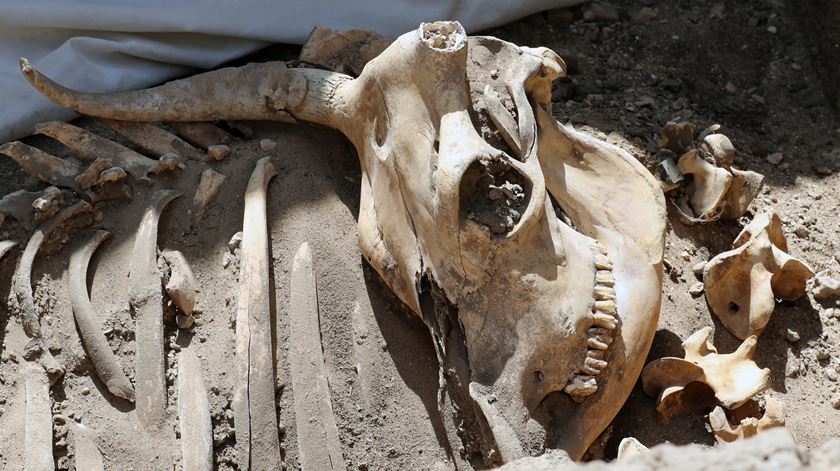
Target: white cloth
(114, 45)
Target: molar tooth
(588, 370)
(600, 334)
(602, 262)
(596, 354)
(604, 320)
(604, 293)
(605, 306)
(581, 386)
(596, 364)
(604, 277)
(596, 344)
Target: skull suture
(541, 246)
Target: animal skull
(532, 251)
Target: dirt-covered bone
(18, 205)
(86, 452)
(154, 140)
(146, 301)
(38, 437)
(199, 134)
(254, 411)
(208, 187)
(529, 312)
(87, 321)
(745, 422)
(194, 415)
(181, 287)
(742, 284)
(47, 204)
(43, 166)
(682, 385)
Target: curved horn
(267, 91)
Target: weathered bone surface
(22, 282)
(254, 411)
(38, 453)
(343, 51)
(104, 361)
(181, 287)
(745, 427)
(43, 166)
(733, 378)
(208, 188)
(194, 415)
(462, 200)
(317, 434)
(146, 301)
(46, 205)
(742, 285)
(86, 452)
(18, 205)
(154, 140)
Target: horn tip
(26, 67)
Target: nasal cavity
(494, 194)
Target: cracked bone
(18, 204)
(90, 330)
(22, 282)
(255, 413)
(86, 452)
(417, 194)
(317, 434)
(43, 166)
(88, 146)
(708, 188)
(194, 415)
(38, 445)
(208, 188)
(746, 427)
(204, 135)
(181, 285)
(154, 140)
(47, 204)
(742, 284)
(733, 378)
(146, 301)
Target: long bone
(104, 361)
(86, 452)
(22, 281)
(194, 415)
(146, 300)
(255, 414)
(153, 139)
(38, 446)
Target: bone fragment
(86, 452)
(746, 185)
(22, 281)
(181, 286)
(630, 448)
(90, 176)
(18, 205)
(746, 427)
(146, 300)
(47, 204)
(194, 415)
(317, 434)
(154, 140)
(258, 443)
(43, 166)
(38, 452)
(200, 134)
(6, 246)
(218, 152)
(734, 378)
(709, 185)
(90, 330)
(89, 146)
(208, 188)
(112, 175)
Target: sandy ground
(658, 62)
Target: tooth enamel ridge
(599, 337)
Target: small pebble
(685, 255)
(835, 401)
(696, 290)
(730, 87)
(792, 336)
(235, 242)
(775, 158)
(772, 29)
(85, 391)
(698, 269)
(268, 145)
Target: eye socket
(494, 195)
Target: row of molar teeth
(599, 336)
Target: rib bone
(87, 454)
(317, 434)
(104, 361)
(203, 135)
(194, 415)
(153, 139)
(6, 246)
(43, 166)
(38, 454)
(254, 411)
(146, 300)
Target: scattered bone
(43, 166)
(721, 149)
(109, 192)
(745, 186)
(742, 285)
(6, 246)
(47, 204)
(630, 448)
(268, 145)
(343, 51)
(317, 434)
(677, 137)
(708, 187)
(90, 330)
(181, 286)
(22, 281)
(91, 175)
(86, 452)
(89, 146)
(200, 134)
(734, 378)
(18, 205)
(218, 152)
(112, 175)
(255, 414)
(746, 427)
(167, 162)
(208, 188)
(154, 140)
(825, 286)
(38, 453)
(194, 415)
(146, 300)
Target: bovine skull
(544, 244)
